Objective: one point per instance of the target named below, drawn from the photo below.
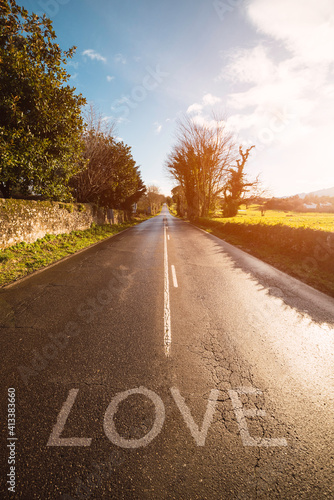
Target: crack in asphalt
(229, 371)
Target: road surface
(165, 363)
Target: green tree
(40, 114)
(182, 165)
(179, 199)
(135, 189)
(111, 177)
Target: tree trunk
(5, 188)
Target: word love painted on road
(199, 434)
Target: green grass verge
(304, 253)
(173, 211)
(24, 258)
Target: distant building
(314, 206)
(310, 206)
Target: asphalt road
(165, 363)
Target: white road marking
(109, 424)
(55, 439)
(241, 414)
(174, 277)
(167, 327)
(198, 434)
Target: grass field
(318, 221)
(22, 259)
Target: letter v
(198, 435)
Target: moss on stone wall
(28, 220)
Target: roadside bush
(299, 243)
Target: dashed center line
(174, 277)
(167, 322)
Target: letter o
(104, 297)
(109, 425)
(147, 85)
(266, 136)
(51, 7)
(274, 127)
(138, 94)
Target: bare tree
(152, 200)
(237, 185)
(199, 161)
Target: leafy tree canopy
(40, 114)
(111, 177)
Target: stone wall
(27, 220)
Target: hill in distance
(321, 192)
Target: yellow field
(320, 221)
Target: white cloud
(120, 59)
(74, 64)
(299, 83)
(92, 54)
(238, 122)
(158, 128)
(122, 100)
(210, 100)
(207, 100)
(195, 108)
(110, 78)
(279, 92)
(200, 119)
(107, 118)
(249, 66)
(306, 28)
(201, 112)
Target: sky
(265, 66)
